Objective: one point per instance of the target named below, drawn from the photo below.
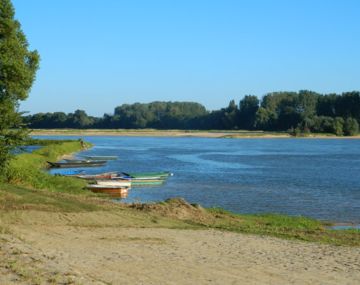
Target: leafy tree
(351, 127)
(323, 124)
(249, 105)
(80, 119)
(326, 105)
(18, 66)
(338, 126)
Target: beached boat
(112, 182)
(100, 157)
(113, 191)
(77, 164)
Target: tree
(351, 127)
(338, 126)
(249, 105)
(18, 66)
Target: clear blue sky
(96, 55)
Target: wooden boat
(146, 182)
(161, 174)
(71, 173)
(112, 182)
(141, 180)
(113, 191)
(77, 160)
(100, 157)
(77, 164)
(105, 175)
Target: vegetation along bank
(298, 113)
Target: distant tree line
(295, 112)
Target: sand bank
(93, 248)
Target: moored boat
(146, 182)
(112, 182)
(77, 164)
(105, 175)
(161, 174)
(100, 157)
(77, 160)
(113, 191)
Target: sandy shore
(176, 133)
(96, 248)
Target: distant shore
(178, 133)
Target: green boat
(155, 175)
(100, 157)
(153, 182)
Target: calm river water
(311, 177)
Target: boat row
(117, 184)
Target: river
(312, 177)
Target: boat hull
(110, 182)
(161, 174)
(100, 157)
(115, 192)
(76, 164)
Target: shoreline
(61, 237)
(182, 133)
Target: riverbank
(63, 234)
(176, 133)
(72, 239)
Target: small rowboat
(148, 182)
(77, 160)
(77, 164)
(105, 175)
(100, 157)
(111, 182)
(161, 174)
(113, 191)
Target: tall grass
(29, 169)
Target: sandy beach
(101, 248)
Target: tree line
(296, 112)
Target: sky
(96, 55)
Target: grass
(13, 197)
(282, 226)
(27, 169)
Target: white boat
(119, 183)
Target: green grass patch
(282, 226)
(14, 197)
(28, 169)
(299, 228)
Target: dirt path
(69, 253)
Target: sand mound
(176, 208)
